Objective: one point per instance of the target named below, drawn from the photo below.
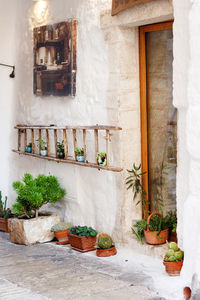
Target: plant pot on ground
(82, 238)
(42, 145)
(61, 231)
(105, 246)
(29, 148)
(173, 260)
(102, 159)
(79, 154)
(172, 226)
(60, 150)
(33, 193)
(155, 229)
(5, 214)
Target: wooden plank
(25, 139)
(40, 137)
(48, 143)
(84, 144)
(96, 144)
(74, 141)
(99, 127)
(65, 143)
(19, 139)
(33, 140)
(71, 161)
(108, 146)
(55, 142)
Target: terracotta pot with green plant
(5, 214)
(105, 245)
(102, 159)
(173, 260)
(82, 238)
(79, 152)
(61, 231)
(30, 227)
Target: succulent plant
(174, 253)
(61, 226)
(104, 241)
(83, 231)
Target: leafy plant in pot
(82, 238)
(172, 217)
(60, 150)
(33, 193)
(5, 214)
(105, 245)
(155, 229)
(102, 159)
(79, 154)
(61, 231)
(29, 148)
(42, 145)
(173, 260)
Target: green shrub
(35, 192)
(61, 226)
(83, 231)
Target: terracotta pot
(82, 243)
(106, 252)
(4, 224)
(173, 268)
(152, 237)
(62, 237)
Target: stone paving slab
(58, 273)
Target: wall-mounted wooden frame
(144, 101)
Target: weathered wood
(74, 141)
(25, 140)
(71, 161)
(33, 141)
(65, 143)
(19, 139)
(40, 137)
(108, 147)
(48, 143)
(96, 144)
(55, 142)
(99, 127)
(84, 144)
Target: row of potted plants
(42, 145)
(84, 239)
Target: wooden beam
(74, 141)
(25, 139)
(108, 146)
(65, 143)
(99, 127)
(84, 144)
(19, 139)
(55, 142)
(33, 141)
(48, 143)
(96, 144)
(40, 137)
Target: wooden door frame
(144, 103)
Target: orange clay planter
(173, 268)
(152, 237)
(3, 224)
(106, 252)
(62, 237)
(82, 243)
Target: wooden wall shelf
(27, 134)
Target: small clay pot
(106, 252)
(62, 237)
(173, 268)
(187, 292)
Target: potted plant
(155, 229)
(102, 159)
(173, 260)
(5, 214)
(42, 146)
(79, 154)
(82, 238)
(60, 150)
(105, 246)
(61, 231)
(29, 148)
(172, 226)
(30, 227)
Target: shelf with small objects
(54, 143)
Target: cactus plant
(104, 241)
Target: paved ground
(48, 271)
